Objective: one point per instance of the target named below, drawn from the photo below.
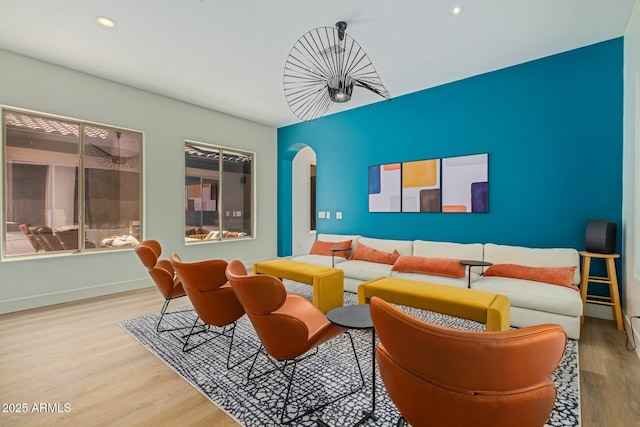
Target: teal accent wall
(552, 128)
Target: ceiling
(229, 55)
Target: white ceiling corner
(229, 56)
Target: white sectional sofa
(532, 302)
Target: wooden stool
(613, 299)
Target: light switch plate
(328, 214)
(338, 215)
(321, 214)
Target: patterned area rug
(330, 372)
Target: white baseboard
(599, 311)
(636, 332)
(35, 301)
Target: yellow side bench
(327, 282)
(492, 309)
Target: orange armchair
(161, 271)
(212, 297)
(287, 325)
(448, 377)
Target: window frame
(313, 173)
(81, 184)
(220, 200)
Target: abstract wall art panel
(374, 179)
(384, 188)
(480, 197)
(453, 184)
(465, 183)
(430, 200)
(421, 186)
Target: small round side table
(359, 317)
(474, 263)
(613, 300)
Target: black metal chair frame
(228, 331)
(164, 311)
(289, 362)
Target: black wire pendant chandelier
(323, 67)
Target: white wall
(166, 123)
(301, 237)
(631, 176)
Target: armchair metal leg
(253, 364)
(290, 377)
(185, 343)
(228, 331)
(286, 398)
(276, 367)
(164, 311)
(229, 366)
(335, 399)
(207, 328)
(402, 422)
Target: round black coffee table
(359, 317)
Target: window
(218, 194)
(69, 185)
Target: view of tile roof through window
(52, 126)
(202, 152)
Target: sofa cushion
(430, 249)
(324, 248)
(318, 259)
(435, 266)
(533, 295)
(365, 253)
(458, 282)
(533, 257)
(561, 276)
(404, 247)
(364, 270)
(339, 238)
(427, 248)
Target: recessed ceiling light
(456, 10)
(106, 22)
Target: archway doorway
(303, 201)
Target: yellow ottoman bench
(327, 282)
(492, 309)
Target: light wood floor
(75, 353)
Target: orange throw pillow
(436, 266)
(365, 253)
(561, 276)
(324, 248)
